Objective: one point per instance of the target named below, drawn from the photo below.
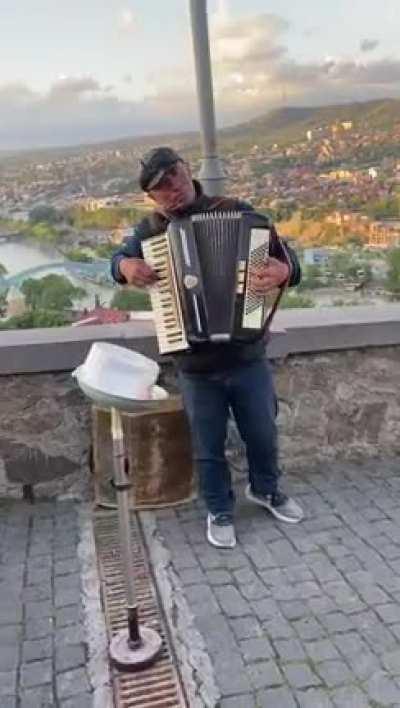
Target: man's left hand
(269, 276)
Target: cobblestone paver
(305, 615)
(42, 644)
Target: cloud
(18, 95)
(253, 71)
(77, 110)
(126, 20)
(250, 40)
(311, 31)
(368, 45)
(72, 89)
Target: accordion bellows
(203, 293)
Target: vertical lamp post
(211, 173)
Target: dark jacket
(206, 357)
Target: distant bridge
(89, 271)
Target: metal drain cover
(159, 685)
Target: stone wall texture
(44, 435)
(339, 405)
(335, 405)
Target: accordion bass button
(190, 281)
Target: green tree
(3, 270)
(35, 318)
(131, 300)
(105, 250)
(32, 289)
(355, 240)
(43, 213)
(78, 255)
(311, 277)
(3, 302)
(43, 232)
(53, 292)
(105, 218)
(386, 208)
(393, 277)
(290, 300)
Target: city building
(315, 256)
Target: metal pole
(136, 646)
(211, 173)
(122, 485)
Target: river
(17, 255)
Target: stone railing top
(294, 331)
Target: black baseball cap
(155, 164)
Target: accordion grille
(257, 258)
(217, 238)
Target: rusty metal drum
(158, 451)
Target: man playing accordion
(217, 377)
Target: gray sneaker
(221, 531)
(282, 507)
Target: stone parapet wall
(332, 405)
(339, 405)
(44, 435)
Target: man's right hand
(137, 272)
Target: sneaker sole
(215, 543)
(271, 509)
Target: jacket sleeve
(295, 276)
(130, 248)
(283, 252)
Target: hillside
(280, 125)
(291, 123)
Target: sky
(76, 72)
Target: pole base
(127, 659)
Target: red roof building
(101, 315)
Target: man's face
(175, 190)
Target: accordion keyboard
(164, 297)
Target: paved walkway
(293, 616)
(305, 615)
(43, 653)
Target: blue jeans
(248, 392)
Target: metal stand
(137, 646)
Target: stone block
(72, 683)
(276, 697)
(231, 601)
(69, 657)
(300, 676)
(36, 674)
(35, 650)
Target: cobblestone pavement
(305, 615)
(43, 654)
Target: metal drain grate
(158, 686)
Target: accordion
(204, 292)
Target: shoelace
(222, 520)
(278, 498)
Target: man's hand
(269, 276)
(137, 272)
